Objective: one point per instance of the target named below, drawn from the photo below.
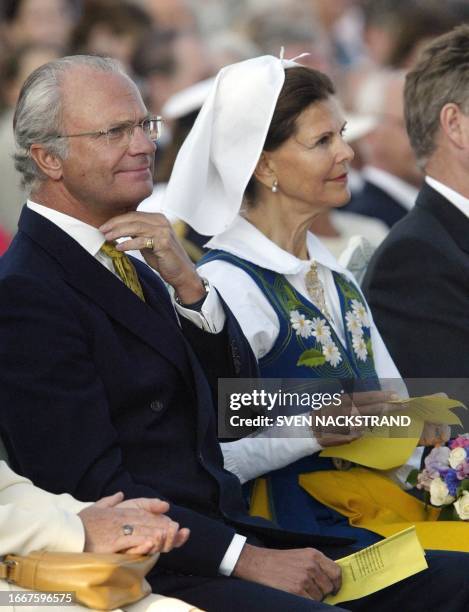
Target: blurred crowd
(167, 45)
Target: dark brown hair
(301, 88)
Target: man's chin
(139, 195)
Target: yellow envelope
(379, 566)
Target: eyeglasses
(121, 135)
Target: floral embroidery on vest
(307, 344)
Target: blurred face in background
(189, 64)
(41, 21)
(29, 60)
(387, 146)
(170, 14)
(102, 40)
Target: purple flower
(451, 480)
(460, 441)
(424, 480)
(437, 460)
(463, 470)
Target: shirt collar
(87, 236)
(247, 242)
(402, 192)
(458, 200)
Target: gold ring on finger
(149, 243)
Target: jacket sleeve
(223, 355)
(47, 377)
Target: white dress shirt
(399, 190)
(264, 452)
(458, 200)
(211, 318)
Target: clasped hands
(152, 530)
(167, 256)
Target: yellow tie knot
(109, 248)
(124, 268)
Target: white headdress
(221, 152)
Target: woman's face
(311, 166)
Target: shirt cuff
(210, 318)
(261, 453)
(231, 557)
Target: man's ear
(264, 171)
(452, 121)
(49, 164)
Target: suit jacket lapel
(151, 321)
(451, 218)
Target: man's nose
(141, 143)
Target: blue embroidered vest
(307, 346)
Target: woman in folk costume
(265, 156)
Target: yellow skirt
(372, 501)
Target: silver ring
(149, 244)
(127, 529)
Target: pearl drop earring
(275, 186)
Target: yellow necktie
(124, 268)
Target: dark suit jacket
(417, 285)
(372, 201)
(101, 392)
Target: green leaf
(369, 347)
(311, 358)
(464, 486)
(448, 513)
(412, 477)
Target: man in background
(390, 173)
(417, 284)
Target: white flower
(439, 494)
(360, 312)
(353, 324)
(462, 506)
(359, 346)
(456, 457)
(322, 331)
(301, 324)
(331, 353)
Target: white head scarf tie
(221, 152)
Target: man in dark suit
(417, 283)
(104, 387)
(390, 173)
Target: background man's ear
(50, 164)
(264, 171)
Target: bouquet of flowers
(445, 478)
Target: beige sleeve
(32, 519)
